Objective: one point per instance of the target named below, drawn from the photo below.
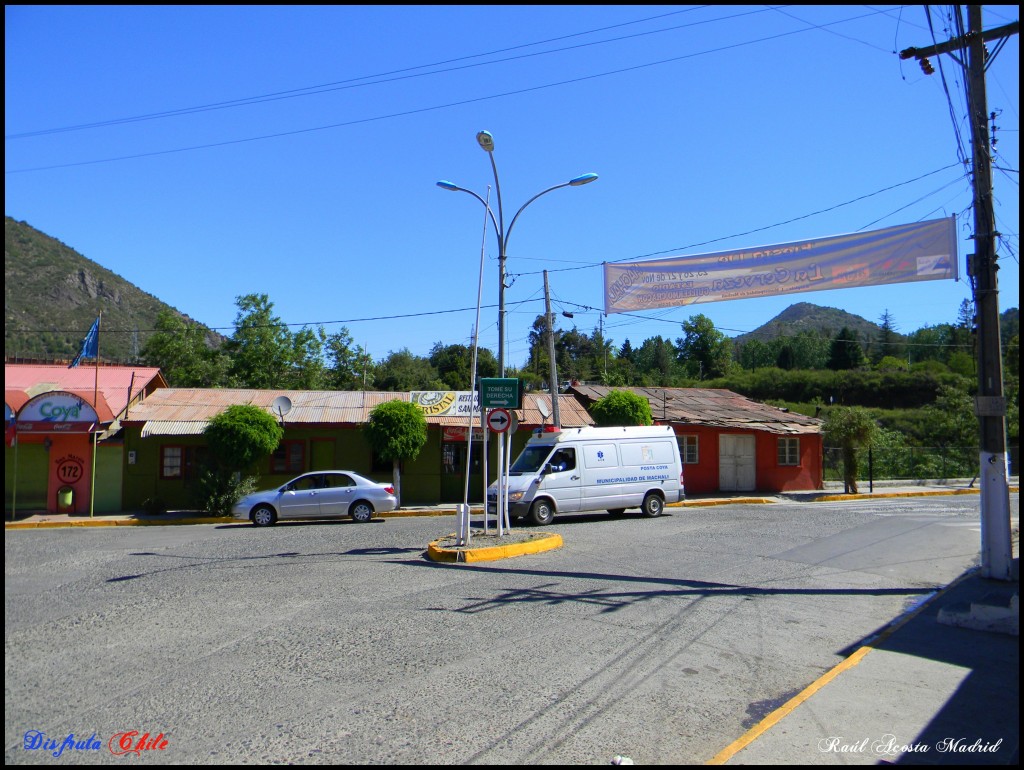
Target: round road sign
(499, 420)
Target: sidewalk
(939, 686)
(832, 491)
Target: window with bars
(789, 451)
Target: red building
(730, 443)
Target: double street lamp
(486, 141)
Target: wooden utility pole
(990, 403)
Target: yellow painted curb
(116, 523)
(872, 495)
(548, 542)
(721, 501)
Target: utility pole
(555, 419)
(990, 403)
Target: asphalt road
(337, 643)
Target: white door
(736, 470)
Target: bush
(216, 490)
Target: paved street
(662, 640)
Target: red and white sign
(499, 420)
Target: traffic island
(488, 546)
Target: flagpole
(96, 409)
(96, 381)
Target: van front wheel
(541, 513)
(653, 506)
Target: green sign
(503, 392)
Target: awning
(174, 428)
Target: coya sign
(51, 412)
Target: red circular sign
(69, 471)
(499, 420)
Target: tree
(622, 407)
(402, 372)
(887, 341)
(307, 370)
(704, 351)
(850, 428)
(755, 354)
(237, 438)
(950, 421)
(655, 361)
(181, 352)
(261, 348)
(397, 431)
(845, 351)
(454, 364)
(349, 367)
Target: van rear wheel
(653, 506)
(541, 513)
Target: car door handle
(575, 478)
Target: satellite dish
(545, 412)
(281, 406)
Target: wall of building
(703, 477)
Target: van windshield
(531, 460)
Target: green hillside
(52, 295)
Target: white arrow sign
(498, 420)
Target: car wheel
(653, 506)
(542, 513)
(616, 511)
(361, 511)
(263, 516)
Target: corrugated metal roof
(308, 406)
(713, 407)
(111, 381)
(174, 428)
(199, 405)
(571, 413)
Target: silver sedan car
(318, 495)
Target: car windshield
(531, 460)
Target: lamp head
(585, 179)
(446, 185)
(485, 140)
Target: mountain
(804, 316)
(52, 295)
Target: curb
(437, 552)
(115, 523)
(827, 498)
(824, 498)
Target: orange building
(63, 450)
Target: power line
(374, 79)
(421, 110)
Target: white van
(594, 469)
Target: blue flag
(90, 345)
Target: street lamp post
(486, 141)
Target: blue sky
(206, 152)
